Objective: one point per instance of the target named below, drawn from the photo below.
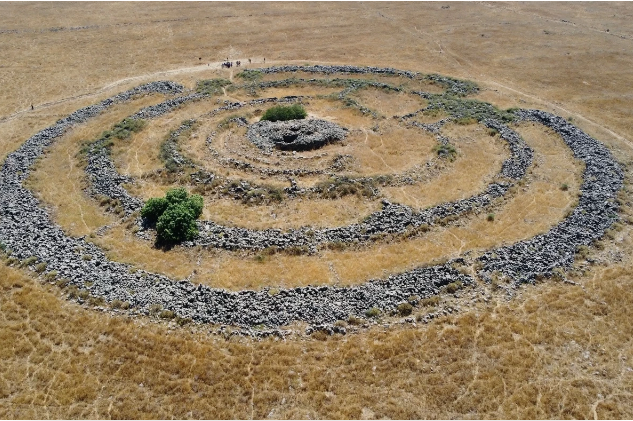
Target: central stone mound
(295, 135)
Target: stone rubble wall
(597, 210)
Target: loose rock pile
(295, 135)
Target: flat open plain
(558, 348)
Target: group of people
(228, 64)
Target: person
(32, 108)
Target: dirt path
(179, 71)
(217, 65)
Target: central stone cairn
(295, 135)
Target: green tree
(154, 208)
(176, 224)
(175, 215)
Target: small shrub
(250, 75)
(445, 151)
(297, 250)
(405, 309)
(124, 129)
(83, 294)
(155, 309)
(116, 304)
(285, 113)
(564, 187)
(413, 299)
(340, 323)
(464, 121)
(319, 335)
(50, 276)
(372, 312)
(336, 245)
(72, 292)
(269, 251)
(28, 261)
(166, 314)
(96, 301)
(212, 86)
(453, 287)
(86, 257)
(430, 301)
(490, 217)
(582, 251)
(41, 267)
(354, 321)
(492, 132)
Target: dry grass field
(551, 350)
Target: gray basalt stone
(295, 135)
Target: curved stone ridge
(295, 135)
(596, 211)
(454, 86)
(337, 69)
(27, 230)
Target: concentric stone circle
(26, 228)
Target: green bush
(372, 312)
(212, 86)
(195, 205)
(285, 113)
(176, 224)
(176, 196)
(154, 208)
(405, 309)
(250, 75)
(175, 215)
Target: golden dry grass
(479, 160)
(387, 103)
(554, 351)
(557, 351)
